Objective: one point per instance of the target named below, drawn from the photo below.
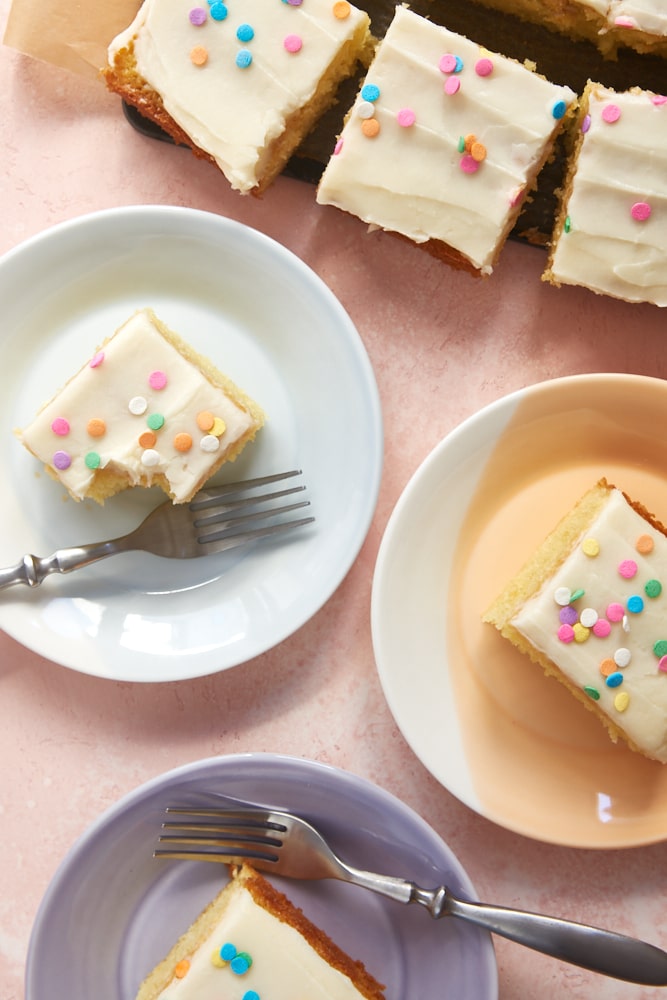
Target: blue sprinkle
(459, 64)
(250, 995)
(240, 965)
(227, 952)
(635, 604)
(559, 109)
(615, 680)
(218, 10)
(245, 33)
(369, 92)
(243, 58)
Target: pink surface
(442, 345)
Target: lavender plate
(112, 911)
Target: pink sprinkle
(516, 196)
(60, 426)
(624, 22)
(447, 63)
(157, 380)
(662, 664)
(586, 124)
(627, 569)
(406, 117)
(452, 86)
(615, 612)
(658, 99)
(566, 633)
(484, 67)
(97, 359)
(338, 148)
(640, 211)
(602, 628)
(611, 113)
(468, 164)
(197, 16)
(293, 43)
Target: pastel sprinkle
(62, 460)
(243, 58)
(219, 427)
(60, 426)
(635, 604)
(182, 968)
(585, 123)
(217, 960)
(614, 680)
(137, 405)
(615, 612)
(198, 55)
(577, 593)
(197, 16)
(209, 443)
(341, 10)
(607, 667)
(468, 164)
(622, 657)
(590, 547)
(365, 109)
(484, 67)
(566, 633)
(562, 596)
(627, 569)
(621, 701)
(293, 43)
(447, 63)
(155, 421)
(641, 211)
(611, 113)
(150, 458)
(478, 151)
(644, 545)
(406, 117)
(147, 439)
(662, 664)
(219, 11)
(245, 33)
(205, 420)
(567, 225)
(660, 648)
(250, 995)
(93, 460)
(157, 380)
(227, 952)
(659, 99)
(452, 86)
(370, 127)
(183, 441)
(240, 963)
(602, 628)
(369, 92)
(568, 615)
(581, 633)
(97, 359)
(588, 617)
(623, 21)
(559, 109)
(459, 64)
(653, 588)
(592, 692)
(338, 148)
(96, 427)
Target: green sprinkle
(576, 594)
(93, 460)
(155, 421)
(462, 144)
(653, 588)
(592, 692)
(568, 224)
(660, 647)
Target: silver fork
(216, 519)
(287, 845)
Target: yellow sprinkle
(370, 127)
(581, 633)
(219, 427)
(621, 701)
(216, 960)
(590, 547)
(341, 10)
(182, 968)
(199, 55)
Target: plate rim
(182, 221)
(471, 424)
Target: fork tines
(229, 512)
(230, 840)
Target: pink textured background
(442, 345)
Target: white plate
(112, 911)
(510, 743)
(269, 322)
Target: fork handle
(590, 948)
(33, 570)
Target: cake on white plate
(145, 409)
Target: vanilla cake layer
(443, 142)
(611, 232)
(251, 943)
(145, 410)
(591, 608)
(242, 84)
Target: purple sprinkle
(197, 15)
(62, 460)
(586, 124)
(568, 615)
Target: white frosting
(117, 391)
(620, 164)
(284, 966)
(409, 179)
(230, 112)
(616, 529)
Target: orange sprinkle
(644, 544)
(205, 420)
(147, 439)
(341, 10)
(199, 55)
(608, 667)
(96, 427)
(182, 968)
(478, 151)
(183, 441)
(468, 142)
(370, 127)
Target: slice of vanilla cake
(590, 607)
(145, 410)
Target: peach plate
(510, 743)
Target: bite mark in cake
(591, 608)
(145, 410)
(444, 142)
(241, 84)
(610, 234)
(252, 943)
